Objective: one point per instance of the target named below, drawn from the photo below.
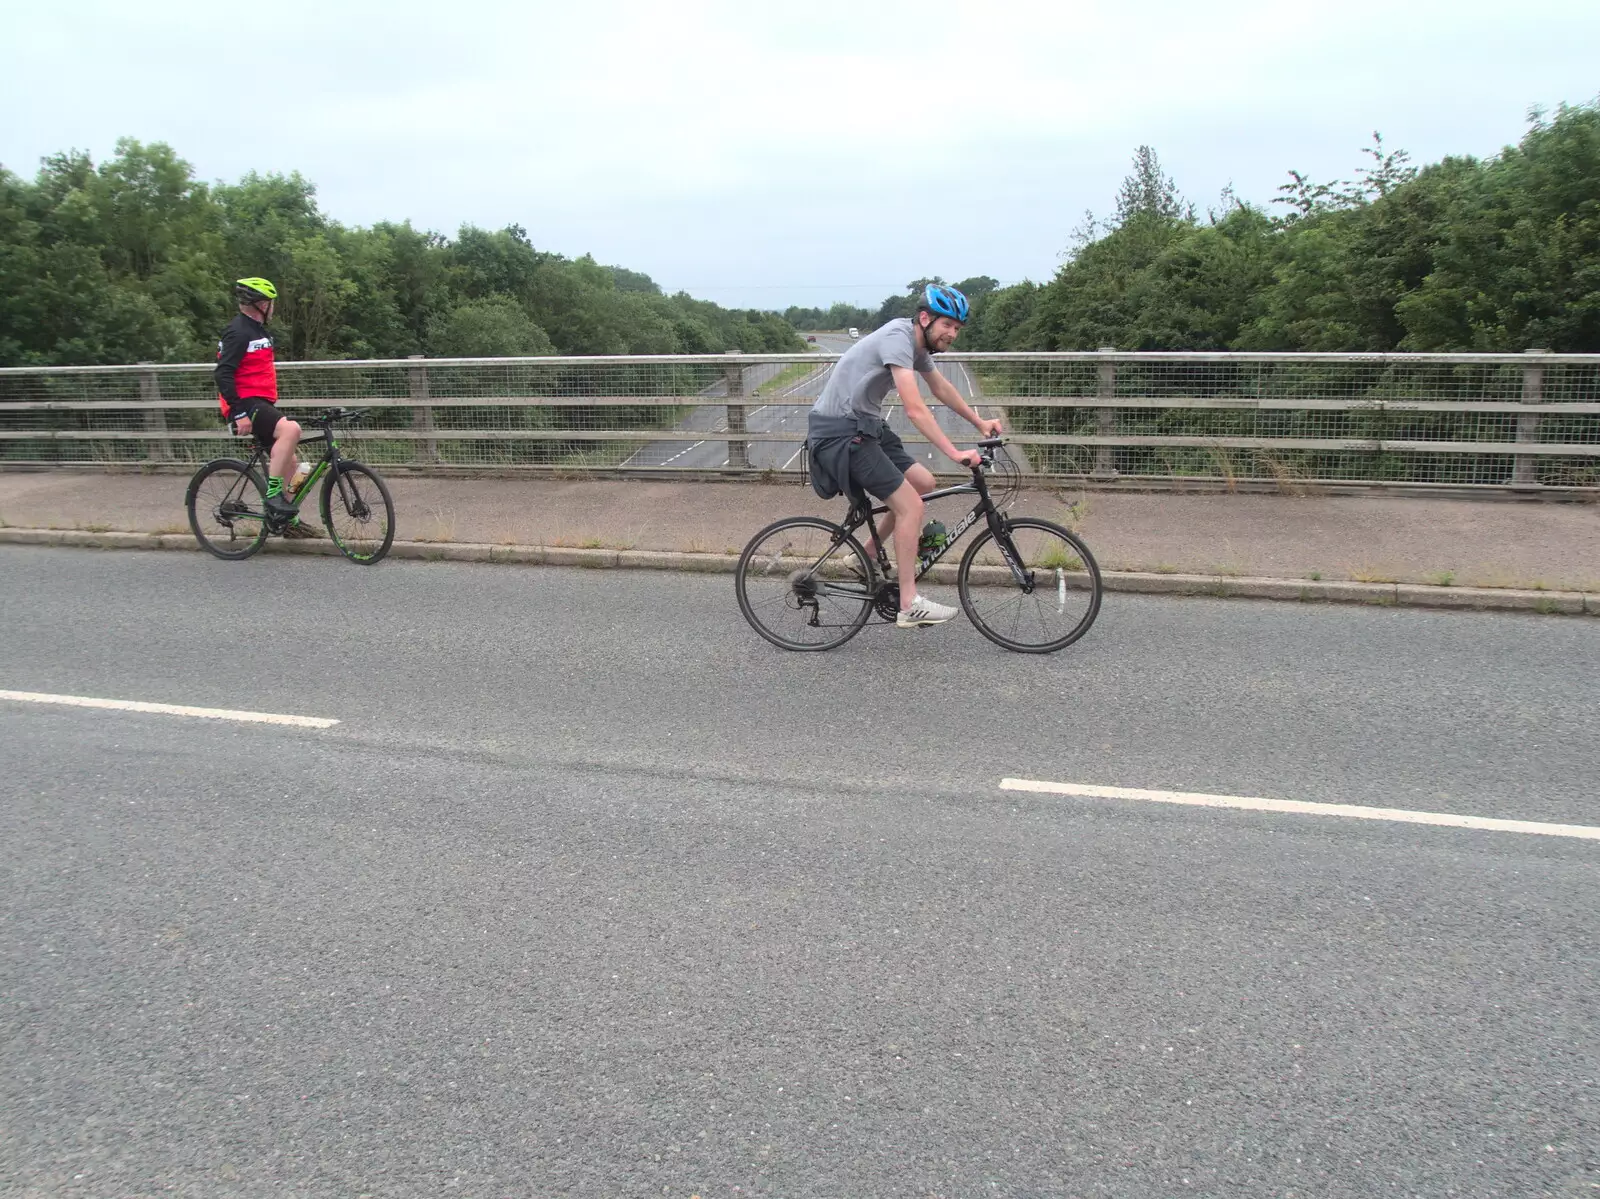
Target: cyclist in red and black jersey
(247, 388)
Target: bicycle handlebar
(338, 414)
(986, 451)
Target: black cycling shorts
(878, 465)
(264, 417)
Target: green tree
(490, 327)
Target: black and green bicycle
(227, 499)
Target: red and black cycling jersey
(245, 367)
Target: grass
(1057, 557)
(1222, 458)
(1074, 513)
(440, 527)
(1442, 578)
(1315, 576)
(784, 378)
(603, 453)
(1368, 575)
(1291, 479)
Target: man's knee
(287, 428)
(906, 501)
(921, 478)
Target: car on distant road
(854, 333)
(811, 337)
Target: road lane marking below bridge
(1304, 808)
(132, 705)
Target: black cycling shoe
(281, 509)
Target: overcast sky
(763, 154)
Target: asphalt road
(784, 411)
(592, 891)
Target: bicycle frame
(862, 511)
(330, 458)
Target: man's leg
(285, 438)
(284, 443)
(922, 479)
(905, 510)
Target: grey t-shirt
(857, 385)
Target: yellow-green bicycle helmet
(254, 289)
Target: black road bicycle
(227, 499)
(805, 583)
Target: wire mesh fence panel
(1509, 420)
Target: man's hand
(967, 458)
(989, 428)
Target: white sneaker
(923, 612)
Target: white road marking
(130, 705)
(1301, 807)
(681, 453)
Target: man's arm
(920, 415)
(229, 355)
(945, 392)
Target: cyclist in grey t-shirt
(851, 445)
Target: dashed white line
(1303, 808)
(130, 705)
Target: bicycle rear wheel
(227, 504)
(358, 512)
(804, 584)
(1052, 609)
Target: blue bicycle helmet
(945, 301)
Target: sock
(274, 486)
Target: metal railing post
(1525, 468)
(738, 451)
(158, 449)
(422, 415)
(1106, 418)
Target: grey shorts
(878, 465)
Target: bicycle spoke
(224, 506)
(1057, 607)
(785, 589)
(358, 513)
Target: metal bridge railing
(1526, 422)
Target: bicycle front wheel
(1055, 603)
(358, 512)
(804, 584)
(227, 504)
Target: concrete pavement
(1439, 543)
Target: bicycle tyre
(218, 509)
(1042, 546)
(767, 586)
(349, 512)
